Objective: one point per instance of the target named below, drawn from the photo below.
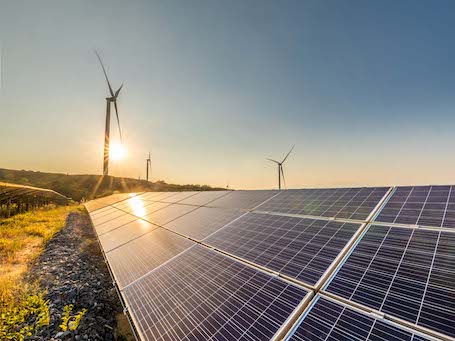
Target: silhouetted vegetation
(79, 187)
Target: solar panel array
(330, 264)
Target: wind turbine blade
(105, 74)
(288, 154)
(282, 174)
(273, 161)
(118, 121)
(118, 91)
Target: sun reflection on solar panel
(138, 207)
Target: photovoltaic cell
(328, 320)
(347, 203)
(100, 203)
(203, 222)
(407, 273)
(168, 214)
(204, 198)
(246, 200)
(297, 247)
(161, 196)
(110, 215)
(102, 211)
(125, 234)
(138, 257)
(114, 223)
(150, 195)
(202, 295)
(96, 206)
(432, 206)
(141, 208)
(179, 196)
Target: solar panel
(421, 205)
(107, 217)
(347, 203)
(178, 197)
(161, 196)
(404, 272)
(150, 195)
(102, 211)
(202, 294)
(114, 224)
(246, 200)
(96, 206)
(298, 247)
(204, 198)
(138, 257)
(124, 234)
(167, 214)
(142, 208)
(328, 320)
(203, 222)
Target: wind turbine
(149, 165)
(109, 100)
(280, 168)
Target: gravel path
(72, 270)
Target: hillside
(87, 187)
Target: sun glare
(117, 151)
(138, 207)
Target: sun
(117, 151)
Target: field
(22, 239)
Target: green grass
(22, 239)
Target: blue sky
(365, 89)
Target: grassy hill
(87, 187)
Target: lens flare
(117, 151)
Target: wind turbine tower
(109, 100)
(149, 166)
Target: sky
(364, 89)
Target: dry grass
(22, 239)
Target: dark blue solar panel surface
(347, 203)
(328, 320)
(422, 205)
(246, 200)
(203, 222)
(300, 248)
(141, 255)
(202, 295)
(404, 272)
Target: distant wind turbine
(149, 166)
(109, 100)
(280, 168)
